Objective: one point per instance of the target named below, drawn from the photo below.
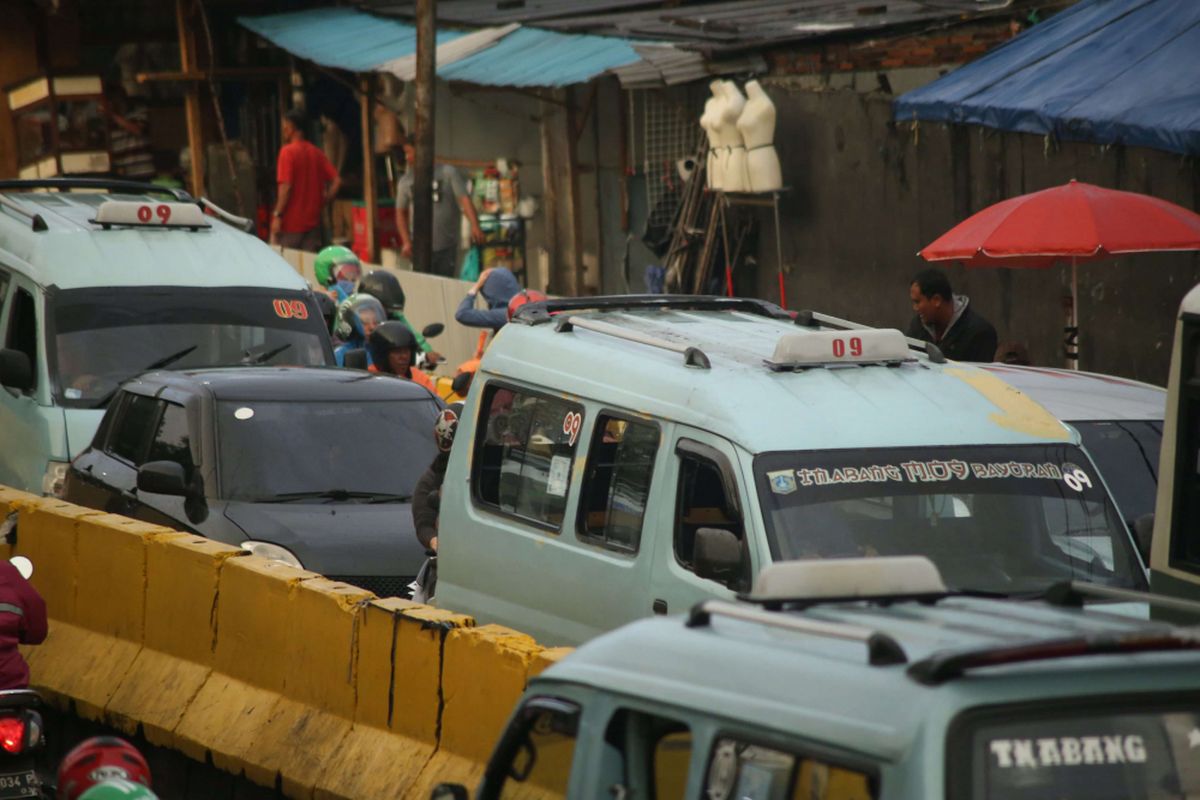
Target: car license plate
(19, 784)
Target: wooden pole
(574, 220)
(370, 193)
(422, 200)
(550, 197)
(195, 128)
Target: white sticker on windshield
(245, 412)
(560, 471)
(1076, 478)
(72, 394)
(782, 481)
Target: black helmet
(385, 286)
(388, 337)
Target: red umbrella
(1075, 222)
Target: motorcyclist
(393, 350)
(497, 285)
(427, 501)
(337, 268)
(385, 287)
(118, 790)
(99, 759)
(358, 316)
(22, 621)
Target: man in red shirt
(307, 181)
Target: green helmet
(333, 256)
(118, 790)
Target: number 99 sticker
(1076, 478)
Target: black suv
(312, 466)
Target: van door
(27, 437)
(705, 521)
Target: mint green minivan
(101, 280)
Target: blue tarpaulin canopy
(360, 42)
(1109, 71)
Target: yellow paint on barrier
(182, 574)
(110, 581)
(322, 628)
(377, 629)
(80, 665)
(418, 670)
(223, 719)
(156, 691)
(47, 536)
(1018, 412)
(475, 709)
(373, 762)
(446, 767)
(548, 658)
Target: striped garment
(131, 154)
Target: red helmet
(99, 759)
(522, 297)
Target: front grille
(381, 585)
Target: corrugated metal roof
(340, 37)
(533, 57)
(667, 65)
(707, 26)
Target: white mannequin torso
(757, 126)
(735, 178)
(715, 165)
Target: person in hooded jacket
(497, 285)
(947, 320)
(22, 621)
(427, 496)
(393, 350)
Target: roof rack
(242, 223)
(692, 356)
(882, 650)
(37, 221)
(109, 184)
(813, 319)
(941, 667)
(1075, 593)
(540, 312)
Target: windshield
(1105, 756)
(1126, 453)
(1007, 519)
(323, 452)
(102, 337)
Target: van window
(524, 453)
(5, 278)
(133, 428)
(538, 752)
(171, 441)
(738, 769)
(617, 482)
(703, 501)
(22, 330)
(648, 755)
(1185, 507)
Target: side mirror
(432, 329)
(1143, 533)
(355, 359)
(449, 791)
(162, 477)
(717, 555)
(16, 371)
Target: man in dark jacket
(497, 285)
(22, 621)
(948, 321)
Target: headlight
(55, 479)
(272, 552)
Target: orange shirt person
(307, 181)
(393, 350)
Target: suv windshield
(1006, 519)
(1106, 756)
(101, 337)
(323, 452)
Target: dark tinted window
(171, 441)
(22, 329)
(135, 424)
(1185, 513)
(617, 482)
(703, 501)
(525, 449)
(1126, 453)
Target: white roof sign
(823, 348)
(151, 214)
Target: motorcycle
(20, 730)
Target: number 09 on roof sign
(822, 348)
(150, 214)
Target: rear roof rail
(882, 650)
(95, 184)
(1075, 593)
(948, 665)
(692, 356)
(36, 221)
(540, 312)
(813, 319)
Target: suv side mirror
(717, 555)
(1143, 532)
(355, 359)
(16, 371)
(432, 329)
(449, 791)
(162, 477)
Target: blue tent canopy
(1109, 71)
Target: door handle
(659, 606)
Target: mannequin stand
(724, 201)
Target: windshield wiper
(262, 358)
(165, 361)
(338, 495)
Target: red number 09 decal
(290, 309)
(839, 347)
(163, 212)
(572, 422)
